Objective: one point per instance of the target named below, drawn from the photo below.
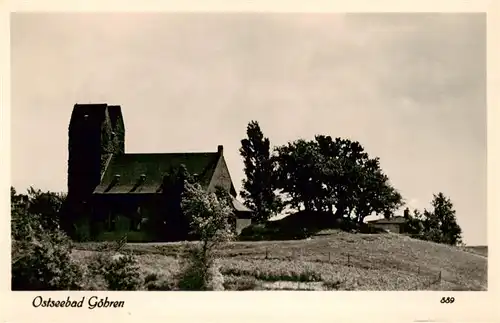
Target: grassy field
(333, 261)
(480, 250)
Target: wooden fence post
(121, 243)
(329, 256)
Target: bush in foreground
(121, 272)
(241, 283)
(41, 259)
(155, 282)
(200, 273)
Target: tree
(414, 223)
(259, 186)
(343, 171)
(374, 194)
(21, 221)
(18, 200)
(18, 206)
(47, 205)
(209, 216)
(41, 259)
(441, 223)
(41, 252)
(326, 174)
(298, 174)
(210, 219)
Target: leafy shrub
(309, 276)
(106, 246)
(150, 277)
(332, 284)
(438, 225)
(162, 284)
(194, 274)
(41, 259)
(98, 263)
(241, 283)
(215, 277)
(123, 273)
(273, 231)
(200, 274)
(41, 252)
(155, 282)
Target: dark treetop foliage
(439, 225)
(258, 187)
(325, 174)
(45, 205)
(40, 250)
(442, 220)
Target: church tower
(96, 131)
(118, 128)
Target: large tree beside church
(335, 176)
(259, 185)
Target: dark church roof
(125, 172)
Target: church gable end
(221, 177)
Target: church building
(112, 193)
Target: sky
(411, 88)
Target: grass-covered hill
(332, 260)
(480, 250)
